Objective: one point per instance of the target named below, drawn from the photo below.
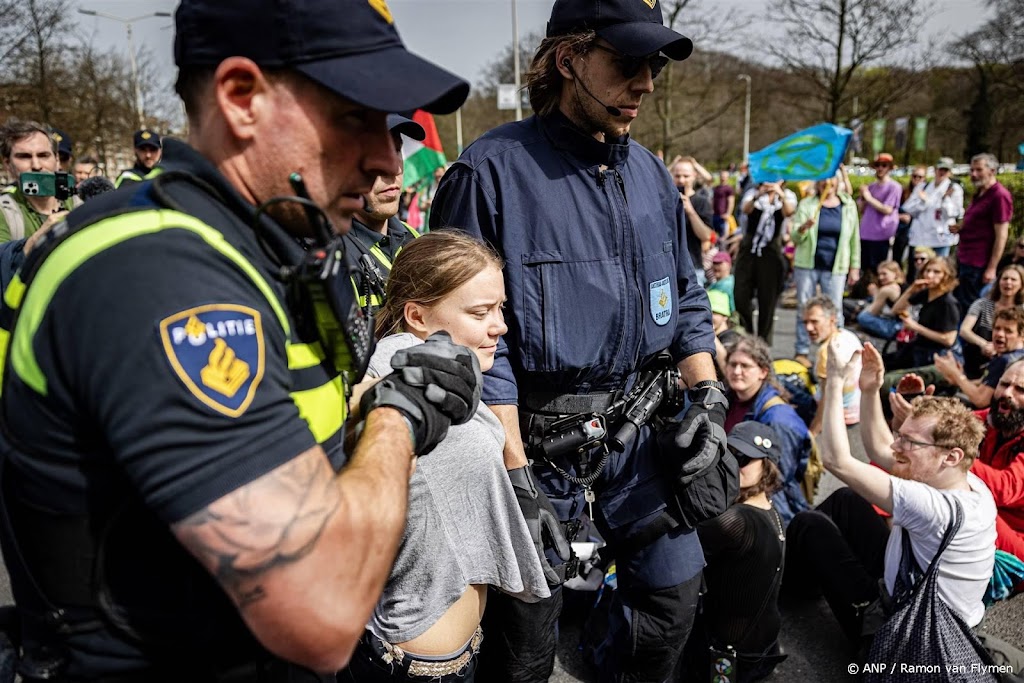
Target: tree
(828, 43)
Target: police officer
(177, 503)
(598, 281)
(148, 149)
(377, 235)
(65, 148)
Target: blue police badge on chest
(217, 351)
(661, 301)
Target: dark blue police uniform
(598, 280)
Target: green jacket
(15, 208)
(848, 251)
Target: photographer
(27, 147)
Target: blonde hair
(429, 269)
(895, 268)
(955, 425)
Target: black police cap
(147, 138)
(349, 46)
(633, 27)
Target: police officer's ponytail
(429, 269)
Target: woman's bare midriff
(454, 628)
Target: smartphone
(59, 185)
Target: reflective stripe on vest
(375, 300)
(323, 407)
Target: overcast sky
(461, 35)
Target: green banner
(878, 135)
(920, 133)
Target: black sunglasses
(741, 460)
(629, 67)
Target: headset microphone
(614, 111)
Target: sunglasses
(920, 258)
(917, 177)
(629, 67)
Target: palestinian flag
(421, 158)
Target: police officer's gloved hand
(435, 384)
(545, 529)
(701, 433)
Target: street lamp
(128, 21)
(515, 61)
(746, 120)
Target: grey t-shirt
(463, 527)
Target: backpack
(814, 468)
(12, 213)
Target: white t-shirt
(849, 344)
(966, 566)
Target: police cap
(63, 141)
(147, 138)
(350, 47)
(633, 27)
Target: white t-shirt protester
(966, 566)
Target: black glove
(435, 384)
(545, 529)
(701, 434)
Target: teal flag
(811, 154)
(878, 135)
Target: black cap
(633, 27)
(147, 138)
(755, 440)
(407, 127)
(349, 46)
(63, 141)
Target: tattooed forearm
(272, 521)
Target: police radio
(345, 331)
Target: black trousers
(520, 641)
(763, 276)
(837, 550)
(873, 252)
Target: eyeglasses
(906, 443)
(629, 67)
(917, 177)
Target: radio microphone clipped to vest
(614, 111)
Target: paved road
(810, 636)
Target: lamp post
(515, 61)
(746, 120)
(128, 21)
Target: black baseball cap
(63, 140)
(406, 126)
(755, 440)
(147, 138)
(633, 27)
(350, 47)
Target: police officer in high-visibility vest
(148, 149)
(177, 503)
(377, 234)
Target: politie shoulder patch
(661, 301)
(217, 351)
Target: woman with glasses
(934, 208)
(756, 394)
(826, 232)
(937, 321)
(976, 328)
(738, 619)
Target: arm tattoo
(271, 522)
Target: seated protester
(820, 322)
(845, 547)
(877, 318)
(723, 279)
(744, 551)
(858, 295)
(936, 325)
(465, 531)
(756, 395)
(1008, 345)
(1001, 461)
(976, 328)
